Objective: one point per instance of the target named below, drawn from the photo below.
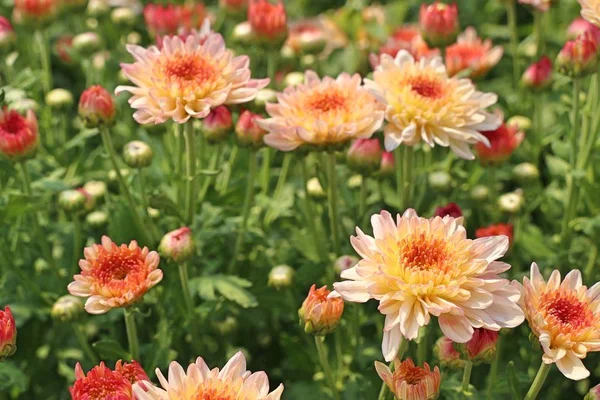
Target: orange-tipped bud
(320, 314)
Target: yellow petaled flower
(424, 104)
(564, 316)
(233, 382)
(590, 10)
(115, 276)
(322, 113)
(409, 382)
(417, 267)
(186, 78)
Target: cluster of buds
(178, 245)
(320, 313)
(578, 57)
(538, 75)
(439, 23)
(96, 107)
(137, 154)
(268, 21)
(248, 131)
(8, 334)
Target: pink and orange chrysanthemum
(115, 276)
(472, 54)
(186, 79)
(564, 316)
(418, 267)
(322, 112)
(103, 383)
(410, 382)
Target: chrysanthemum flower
(564, 316)
(132, 371)
(472, 54)
(18, 134)
(502, 143)
(417, 267)
(100, 383)
(268, 19)
(186, 79)
(307, 35)
(590, 10)
(115, 276)
(233, 382)
(423, 103)
(410, 382)
(183, 32)
(322, 112)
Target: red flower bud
(388, 163)
(96, 107)
(167, 20)
(439, 23)
(7, 34)
(538, 75)
(177, 245)
(503, 142)
(234, 6)
(580, 26)
(18, 134)
(319, 314)
(63, 47)
(447, 354)
(268, 20)
(249, 133)
(217, 125)
(8, 334)
(481, 348)
(35, 11)
(496, 230)
(578, 57)
(450, 209)
(364, 155)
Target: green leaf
(230, 287)
(81, 138)
(110, 348)
(12, 378)
(513, 381)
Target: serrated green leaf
(231, 290)
(12, 378)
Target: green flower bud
(525, 172)
(86, 43)
(123, 17)
(177, 245)
(67, 308)
(281, 276)
(480, 193)
(293, 79)
(440, 180)
(96, 189)
(59, 99)
(137, 154)
(511, 203)
(242, 33)
(97, 219)
(72, 201)
(264, 96)
(314, 188)
(523, 123)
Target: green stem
(214, 160)
(40, 39)
(407, 177)
(283, 173)
(538, 19)
(384, 388)
(185, 287)
(132, 336)
(265, 173)
(311, 212)
(362, 198)
(538, 107)
(230, 164)
(190, 169)
(322, 352)
(249, 196)
(123, 185)
(511, 14)
(422, 346)
(399, 173)
(589, 268)
(143, 194)
(77, 241)
(333, 202)
(538, 382)
(467, 376)
(179, 167)
(493, 375)
(85, 345)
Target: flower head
(496, 230)
(590, 10)
(322, 112)
(186, 79)
(439, 23)
(103, 383)
(132, 371)
(538, 75)
(472, 54)
(417, 267)
(18, 134)
(8, 334)
(35, 11)
(564, 316)
(410, 382)
(177, 245)
(451, 209)
(539, 5)
(423, 103)
(447, 354)
(407, 38)
(115, 276)
(503, 141)
(320, 313)
(578, 57)
(96, 106)
(233, 382)
(169, 19)
(7, 33)
(268, 20)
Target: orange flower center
(118, 264)
(421, 253)
(426, 87)
(411, 374)
(568, 310)
(328, 101)
(189, 67)
(214, 393)
(104, 386)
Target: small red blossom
(472, 54)
(96, 106)
(218, 124)
(248, 131)
(18, 134)
(496, 230)
(103, 383)
(8, 334)
(538, 75)
(7, 33)
(35, 11)
(503, 142)
(439, 23)
(364, 155)
(578, 57)
(388, 163)
(451, 209)
(268, 20)
(168, 20)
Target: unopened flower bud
(344, 262)
(388, 164)
(72, 201)
(409, 381)
(217, 125)
(59, 99)
(123, 16)
(481, 348)
(134, 38)
(593, 394)
(98, 8)
(447, 354)
(18, 134)
(511, 203)
(307, 36)
(248, 131)
(233, 6)
(177, 245)
(90, 201)
(7, 35)
(320, 314)
(137, 154)
(580, 26)
(264, 96)
(281, 276)
(96, 189)
(293, 79)
(8, 334)
(439, 23)
(314, 188)
(440, 180)
(153, 213)
(525, 172)
(496, 230)
(355, 181)
(242, 33)
(450, 209)
(96, 107)
(521, 122)
(99, 60)
(97, 219)
(268, 20)
(364, 155)
(67, 308)
(86, 43)
(578, 57)
(308, 61)
(538, 75)
(480, 193)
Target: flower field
(299, 199)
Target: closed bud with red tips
(18, 134)
(8, 334)
(268, 20)
(538, 75)
(388, 163)
(578, 57)
(249, 133)
(364, 155)
(320, 314)
(96, 107)
(481, 348)
(439, 23)
(177, 245)
(7, 34)
(502, 143)
(217, 125)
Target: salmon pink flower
(201, 382)
(424, 104)
(439, 23)
(169, 19)
(8, 334)
(565, 317)
(321, 113)
(538, 75)
(115, 276)
(268, 20)
(590, 10)
(35, 11)
(103, 383)
(186, 79)
(410, 382)
(578, 57)
(502, 143)
(417, 268)
(496, 230)
(320, 314)
(18, 134)
(96, 107)
(472, 54)
(406, 38)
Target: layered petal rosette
(418, 267)
(424, 104)
(322, 112)
(233, 382)
(115, 276)
(564, 316)
(186, 78)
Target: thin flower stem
(283, 173)
(40, 39)
(179, 168)
(539, 33)
(77, 241)
(248, 198)
(190, 169)
(322, 352)
(538, 107)
(362, 198)
(422, 346)
(214, 160)
(384, 388)
(538, 382)
(511, 14)
(265, 173)
(310, 212)
(467, 376)
(85, 345)
(123, 185)
(493, 375)
(143, 194)
(407, 177)
(230, 164)
(132, 337)
(399, 173)
(333, 202)
(185, 287)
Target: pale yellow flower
(418, 267)
(233, 382)
(590, 10)
(322, 112)
(424, 104)
(564, 316)
(186, 78)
